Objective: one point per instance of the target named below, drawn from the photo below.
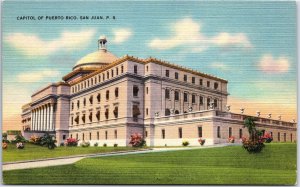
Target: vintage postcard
(149, 92)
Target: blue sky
(251, 44)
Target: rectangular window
(208, 84)
(229, 132)
(201, 100)
(176, 95)
(201, 82)
(208, 102)
(218, 132)
(64, 137)
(163, 134)
(180, 132)
(83, 136)
(107, 75)
(146, 134)
(185, 97)
(147, 111)
(200, 132)
(167, 94)
(176, 75)
(106, 135)
(215, 103)
(278, 136)
(216, 85)
(291, 137)
(167, 73)
(271, 134)
(116, 134)
(241, 133)
(284, 137)
(98, 135)
(135, 69)
(193, 99)
(76, 136)
(185, 78)
(90, 136)
(193, 80)
(112, 73)
(117, 71)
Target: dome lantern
(102, 43)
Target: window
(71, 120)
(201, 82)
(106, 113)
(84, 84)
(146, 133)
(291, 137)
(116, 92)
(76, 136)
(229, 132)
(176, 75)
(107, 94)
(83, 118)
(208, 84)
(185, 78)
(135, 69)
(112, 73)
(71, 136)
(91, 99)
(99, 78)
(241, 133)
(122, 69)
(200, 132)
(193, 99)
(215, 103)
(135, 111)
(64, 137)
(72, 105)
(103, 76)
(90, 136)
(116, 112)
(284, 137)
(107, 75)
(176, 112)
(167, 94)
(106, 134)
(117, 71)
(98, 115)
(263, 132)
(167, 73)
(185, 97)
(208, 102)
(78, 103)
(167, 112)
(83, 136)
(77, 120)
(147, 111)
(218, 132)
(271, 134)
(147, 90)
(88, 83)
(163, 133)
(216, 85)
(116, 134)
(135, 91)
(91, 117)
(147, 68)
(92, 82)
(98, 135)
(99, 97)
(278, 136)
(201, 100)
(84, 102)
(193, 80)
(180, 132)
(176, 95)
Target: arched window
(83, 118)
(116, 92)
(106, 113)
(98, 97)
(167, 112)
(116, 112)
(91, 117)
(98, 115)
(176, 112)
(91, 99)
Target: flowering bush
(136, 140)
(19, 138)
(201, 141)
(253, 146)
(35, 139)
(20, 145)
(4, 145)
(231, 139)
(268, 138)
(71, 142)
(185, 143)
(85, 144)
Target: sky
(250, 44)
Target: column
(40, 119)
(51, 118)
(46, 118)
(37, 119)
(43, 118)
(34, 119)
(31, 121)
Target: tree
(48, 140)
(249, 123)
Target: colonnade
(42, 118)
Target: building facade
(105, 99)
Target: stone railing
(189, 115)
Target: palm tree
(249, 123)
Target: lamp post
(257, 113)
(242, 110)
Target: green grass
(32, 152)
(276, 165)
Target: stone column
(37, 119)
(31, 120)
(46, 118)
(51, 118)
(41, 119)
(34, 122)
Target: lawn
(32, 152)
(276, 165)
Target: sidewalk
(72, 159)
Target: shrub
(4, 145)
(201, 141)
(231, 139)
(115, 145)
(268, 138)
(253, 146)
(4, 138)
(19, 138)
(96, 144)
(185, 143)
(48, 141)
(85, 144)
(20, 145)
(104, 145)
(71, 142)
(136, 140)
(35, 140)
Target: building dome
(98, 58)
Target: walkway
(72, 159)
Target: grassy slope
(227, 165)
(32, 152)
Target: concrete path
(72, 159)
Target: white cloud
(187, 33)
(269, 64)
(32, 45)
(219, 66)
(37, 76)
(121, 35)
(226, 40)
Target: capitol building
(105, 99)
